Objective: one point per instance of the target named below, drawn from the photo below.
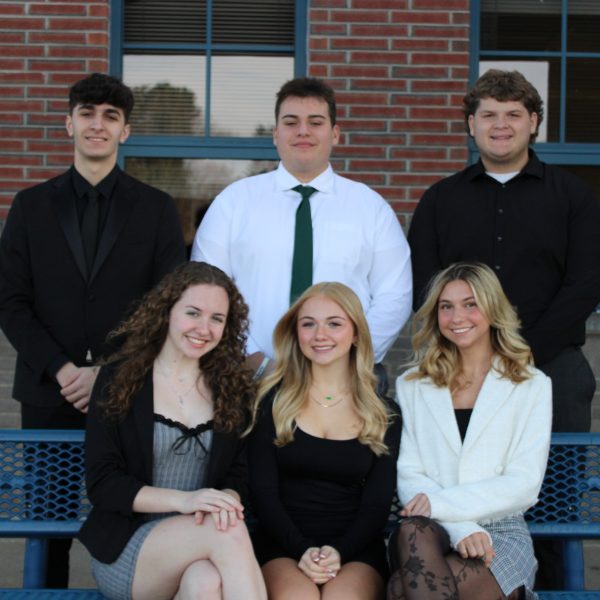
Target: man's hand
(76, 384)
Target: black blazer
(49, 305)
(118, 463)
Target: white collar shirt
(248, 232)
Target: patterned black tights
(425, 567)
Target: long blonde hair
(438, 358)
(292, 373)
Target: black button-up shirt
(539, 231)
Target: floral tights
(425, 567)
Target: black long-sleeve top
(315, 491)
(540, 232)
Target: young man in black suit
(76, 252)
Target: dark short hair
(99, 88)
(504, 86)
(307, 87)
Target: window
(556, 45)
(204, 74)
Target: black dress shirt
(540, 232)
(81, 186)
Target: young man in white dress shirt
(249, 228)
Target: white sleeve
(212, 241)
(390, 283)
(412, 479)
(516, 488)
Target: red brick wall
(400, 70)
(45, 46)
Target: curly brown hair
(504, 86)
(144, 333)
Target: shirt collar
(284, 180)
(533, 167)
(105, 187)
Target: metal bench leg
(573, 565)
(34, 569)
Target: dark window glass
(242, 22)
(583, 85)
(583, 26)
(193, 183)
(157, 21)
(521, 25)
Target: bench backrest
(42, 483)
(42, 487)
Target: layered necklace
(329, 400)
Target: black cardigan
(118, 463)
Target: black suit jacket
(49, 304)
(119, 460)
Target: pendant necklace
(181, 396)
(178, 394)
(329, 399)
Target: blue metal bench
(42, 495)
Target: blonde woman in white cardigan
(476, 433)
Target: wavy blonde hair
(292, 373)
(438, 358)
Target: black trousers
(573, 387)
(62, 417)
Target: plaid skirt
(515, 563)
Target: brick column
(45, 46)
(400, 70)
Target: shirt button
(497, 267)
(500, 211)
(91, 298)
(499, 238)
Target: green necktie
(303, 244)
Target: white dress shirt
(248, 232)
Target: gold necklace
(329, 398)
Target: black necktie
(89, 227)
(303, 244)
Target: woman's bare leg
(177, 542)
(285, 581)
(354, 581)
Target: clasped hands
(76, 384)
(475, 545)
(320, 565)
(222, 505)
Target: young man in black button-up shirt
(536, 225)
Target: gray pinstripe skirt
(515, 563)
(179, 463)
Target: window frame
(561, 152)
(206, 146)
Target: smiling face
(460, 320)
(197, 320)
(325, 331)
(97, 130)
(502, 131)
(304, 136)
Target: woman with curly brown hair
(165, 467)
